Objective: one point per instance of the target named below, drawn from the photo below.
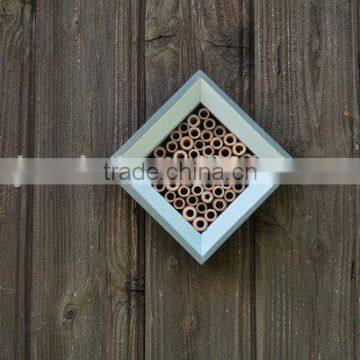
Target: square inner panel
(201, 134)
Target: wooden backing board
(307, 238)
(77, 279)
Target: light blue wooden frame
(200, 89)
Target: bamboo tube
(172, 187)
(159, 187)
(210, 215)
(209, 124)
(248, 156)
(172, 146)
(180, 154)
(230, 139)
(230, 195)
(194, 132)
(208, 151)
(170, 196)
(226, 186)
(209, 187)
(187, 143)
(183, 128)
(160, 152)
(189, 213)
(179, 203)
(239, 187)
(193, 120)
(219, 205)
(204, 113)
(194, 153)
(225, 151)
(207, 197)
(192, 200)
(175, 135)
(199, 144)
(239, 149)
(197, 190)
(219, 131)
(201, 208)
(218, 191)
(216, 143)
(200, 224)
(184, 191)
(206, 136)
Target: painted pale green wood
(233, 217)
(200, 89)
(166, 121)
(233, 117)
(167, 217)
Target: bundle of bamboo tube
(201, 135)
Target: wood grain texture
(15, 108)
(307, 238)
(195, 311)
(87, 259)
(75, 279)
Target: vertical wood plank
(15, 108)
(307, 238)
(195, 311)
(87, 272)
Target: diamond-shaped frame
(200, 89)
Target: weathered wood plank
(15, 102)
(307, 238)
(87, 271)
(195, 311)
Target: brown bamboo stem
(159, 187)
(203, 113)
(200, 224)
(201, 208)
(176, 135)
(208, 187)
(239, 149)
(172, 146)
(218, 191)
(207, 197)
(208, 151)
(172, 187)
(170, 196)
(186, 143)
(226, 186)
(230, 195)
(192, 200)
(194, 153)
(184, 191)
(206, 136)
(197, 190)
(193, 120)
(160, 152)
(180, 154)
(225, 151)
(239, 187)
(194, 132)
(183, 128)
(209, 124)
(216, 143)
(230, 139)
(210, 215)
(179, 203)
(219, 131)
(219, 205)
(199, 144)
(189, 213)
